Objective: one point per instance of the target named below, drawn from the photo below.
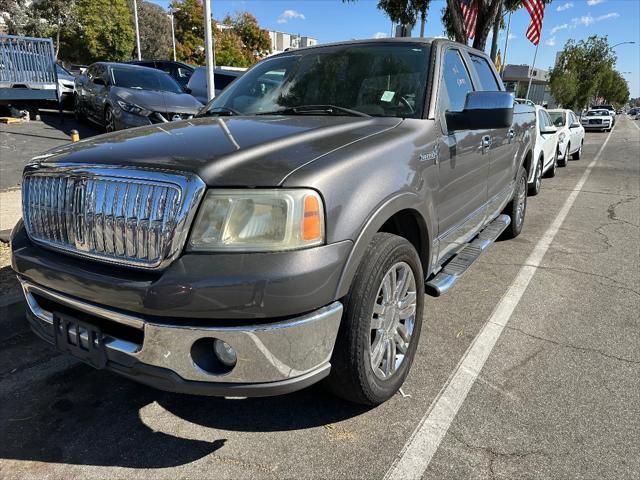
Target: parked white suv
(545, 151)
(570, 135)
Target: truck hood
(158, 101)
(225, 151)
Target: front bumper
(272, 358)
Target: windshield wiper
(219, 112)
(309, 109)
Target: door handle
(486, 142)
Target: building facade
(281, 41)
(516, 79)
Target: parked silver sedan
(119, 96)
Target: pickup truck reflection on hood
(119, 96)
(286, 234)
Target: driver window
(455, 84)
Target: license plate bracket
(80, 339)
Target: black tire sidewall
(352, 364)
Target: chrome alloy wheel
(538, 179)
(109, 120)
(393, 320)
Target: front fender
(384, 211)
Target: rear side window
(488, 81)
(455, 82)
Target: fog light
(225, 352)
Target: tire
(77, 110)
(109, 120)
(353, 376)
(534, 188)
(578, 154)
(517, 207)
(554, 167)
(565, 160)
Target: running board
(460, 262)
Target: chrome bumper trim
(266, 353)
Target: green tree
(155, 30)
(229, 50)
(255, 40)
(406, 12)
(582, 72)
(189, 29)
(105, 31)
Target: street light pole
(208, 50)
(135, 17)
(622, 43)
(173, 35)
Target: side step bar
(460, 262)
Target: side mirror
(548, 130)
(574, 125)
(483, 110)
(98, 81)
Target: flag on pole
(498, 62)
(470, 15)
(536, 11)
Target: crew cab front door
(463, 161)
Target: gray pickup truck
(286, 235)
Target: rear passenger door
(503, 153)
(463, 166)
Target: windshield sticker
(387, 96)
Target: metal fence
(27, 68)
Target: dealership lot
(557, 397)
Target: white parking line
(425, 440)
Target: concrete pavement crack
(618, 284)
(611, 211)
(574, 347)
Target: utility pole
(208, 49)
(135, 18)
(173, 33)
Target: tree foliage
(238, 40)
(155, 31)
(584, 71)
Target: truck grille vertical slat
(138, 220)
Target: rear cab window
(455, 84)
(488, 82)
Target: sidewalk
(10, 208)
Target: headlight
(258, 221)
(135, 109)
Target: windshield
(386, 80)
(144, 79)
(557, 118)
(598, 113)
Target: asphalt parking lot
(528, 368)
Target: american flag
(470, 15)
(536, 10)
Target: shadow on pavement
(86, 417)
(67, 122)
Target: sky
(333, 20)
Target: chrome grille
(133, 217)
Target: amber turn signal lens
(312, 224)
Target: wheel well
(410, 225)
(527, 162)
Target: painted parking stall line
(417, 453)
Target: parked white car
(570, 135)
(545, 151)
(599, 119)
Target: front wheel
(517, 207)
(534, 188)
(578, 154)
(565, 160)
(109, 120)
(381, 323)
(554, 167)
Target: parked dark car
(118, 96)
(286, 235)
(179, 71)
(197, 85)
